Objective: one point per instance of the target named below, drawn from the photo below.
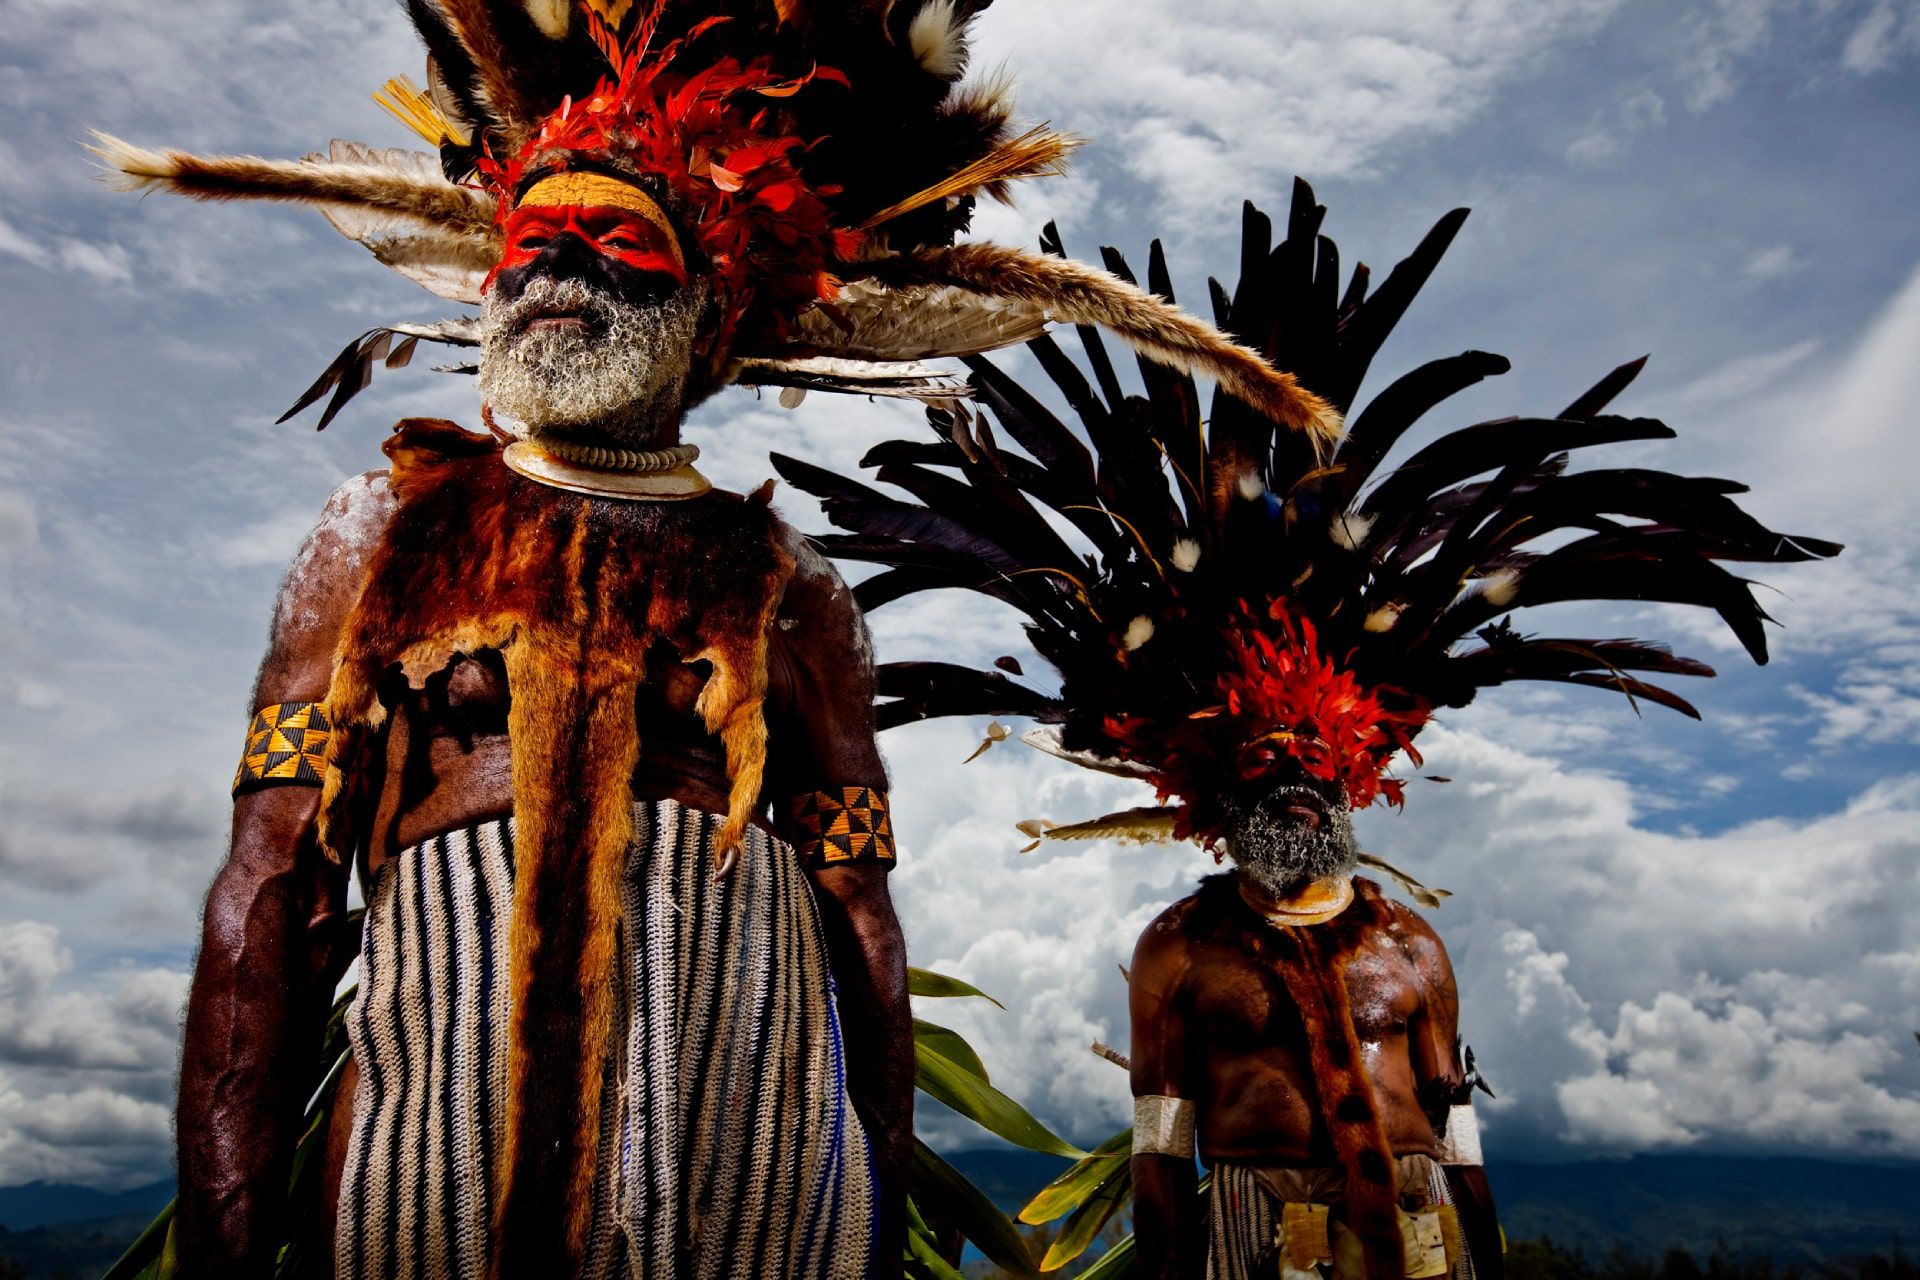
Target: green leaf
(1078, 1184)
(1114, 1191)
(950, 1045)
(169, 1265)
(930, 1263)
(925, 982)
(143, 1255)
(986, 1106)
(963, 1204)
(1115, 1264)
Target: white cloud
(92, 1136)
(1774, 983)
(1215, 100)
(19, 529)
(68, 841)
(1726, 34)
(1606, 138)
(1889, 32)
(106, 263)
(1694, 1067)
(86, 1070)
(1772, 988)
(1868, 705)
(126, 1026)
(1832, 441)
(1729, 35)
(1773, 262)
(1742, 376)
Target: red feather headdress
(821, 155)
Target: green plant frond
(925, 982)
(946, 1082)
(950, 1045)
(967, 1208)
(924, 1260)
(1114, 1191)
(1081, 1182)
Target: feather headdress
(799, 143)
(1215, 595)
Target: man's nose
(567, 254)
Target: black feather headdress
(1215, 594)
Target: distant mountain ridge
(1793, 1210)
(54, 1204)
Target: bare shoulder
(1420, 941)
(819, 617)
(337, 551)
(1168, 938)
(321, 586)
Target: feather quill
(1150, 824)
(367, 184)
(917, 322)
(1040, 152)
(1073, 293)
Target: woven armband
(843, 825)
(1163, 1126)
(286, 746)
(1460, 1143)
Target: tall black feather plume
(1409, 571)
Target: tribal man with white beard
(601, 738)
(1261, 627)
(578, 662)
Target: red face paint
(621, 234)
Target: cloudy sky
(1670, 936)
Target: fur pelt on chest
(1311, 961)
(574, 592)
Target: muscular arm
(270, 944)
(1167, 1222)
(825, 740)
(1433, 1034)
(1440, 1080)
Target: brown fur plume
(1074, 293)
(475, 27)
(574, 592)
(368, 183)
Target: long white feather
(1047, 738)
(445, 261)
(1147, 825)
(919, 322)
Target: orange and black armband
(286, 746)
(842, 825)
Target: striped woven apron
(1242, 1215)
(728, 1147)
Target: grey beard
(622, 380)
(1279, 854)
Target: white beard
(1281, 855)
(623, 379)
